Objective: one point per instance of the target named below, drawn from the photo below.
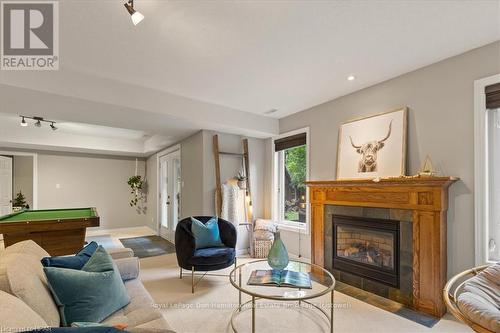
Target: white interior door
(5, 185)
(169, 193)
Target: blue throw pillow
(74, 262)
(206, 235)
(90, 294)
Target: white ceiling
(220, 65)
(77, 137)
(258, 55)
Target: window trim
(303, 228)
(481, 189)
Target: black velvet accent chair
(207, 259)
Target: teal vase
(278, 255)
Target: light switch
(58, 186)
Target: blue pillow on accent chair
(74, 262)
(206, 235)
(90, 294)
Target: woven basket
(261, 248)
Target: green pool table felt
(49, 214)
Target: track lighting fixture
(38, 122)
(134, 15)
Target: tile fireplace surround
(403, 257)
(418, 204)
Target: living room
(249, 166)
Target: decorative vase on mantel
(278, 255)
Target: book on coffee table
(276, 278)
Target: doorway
(18, 181)
(5, 185)
(169, 190)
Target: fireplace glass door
(367, 247)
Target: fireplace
(419, 204)
(367, 247)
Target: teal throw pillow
(90, 294)
(206, 235)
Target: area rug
(209, 309)
(148, 246)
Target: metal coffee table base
(241, 308)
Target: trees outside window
(293, 192)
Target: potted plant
(135, 183)
(19, 203)
(242, 180)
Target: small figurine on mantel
(427, 169)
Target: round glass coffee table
(322, 283)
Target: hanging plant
(135, 183)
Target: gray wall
(22, 171)
(89, 181)
(152, 192)
(192, 175)
(230, 166)
(440, 98)
(198, 176)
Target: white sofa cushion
(140, 312)
(21, 275)
(120, 253)
(28, 247)
(128, 268)
(16, 316)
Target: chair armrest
(228, 233)
(119, 253)
(129, 268)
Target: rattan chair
(452, 291)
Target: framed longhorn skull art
(373, 147)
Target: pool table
(58, 231)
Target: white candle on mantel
(136, 167)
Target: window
(290, 175)
(486, 169)
(493, 177)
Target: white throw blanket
(233, 204)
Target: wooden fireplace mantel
(426, 197)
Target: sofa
(27, 303)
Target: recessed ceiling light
(351, 78)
